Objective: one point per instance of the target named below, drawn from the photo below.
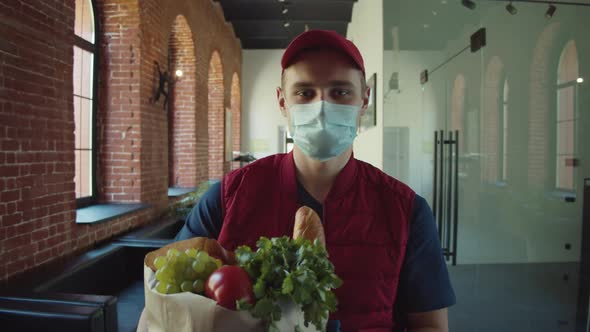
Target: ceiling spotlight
(285, 10)
(550, 11)
(511, 9)
(468, 4)
(287, 24)
(580, 80)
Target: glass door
(515, 182)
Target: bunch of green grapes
(184, 271)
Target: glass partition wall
(507, 186)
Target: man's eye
(341, 92)
(304, 93)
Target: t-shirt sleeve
(205, 219)
(424, 283)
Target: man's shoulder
(260, 165)
(256, 170)
(379, 179)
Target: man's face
(322, 75)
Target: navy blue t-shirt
(424, 283)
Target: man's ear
(281, 100)
(366, 96)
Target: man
(380, 235)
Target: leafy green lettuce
(285, 270)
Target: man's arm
(430, 321)
(425, 289)
(206, 217)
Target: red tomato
(228, 284)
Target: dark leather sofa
(81, 294)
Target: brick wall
(216, 118)
(181, 133)
(119, 97)
(236, 110)
(36, 132)
(37, 200)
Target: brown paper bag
(189, 312)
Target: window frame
(556, 115)
(574, 85)
(503, 124)
(85, 45)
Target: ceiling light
(580, 80)
(287, 24)
(426, 26)
(178, 73)
(281, 0)
(434, 13)
(285, 10)
(550, 11)
(468, 4)
(511, 9)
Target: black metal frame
(435, 184)
(87, 46)
(445, 205)
(550, 2)
(584, 280)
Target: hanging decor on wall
(369, 120)
(165, 83)
(477, 41)
(468, 4)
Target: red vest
(366, 218)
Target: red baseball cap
(322, 39)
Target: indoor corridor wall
(505, 102)
(38, 209)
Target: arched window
(565, 148)
(504, 132)
(84, 85)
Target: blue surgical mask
(323, 130)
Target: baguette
(212, 247)
(308, 225)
